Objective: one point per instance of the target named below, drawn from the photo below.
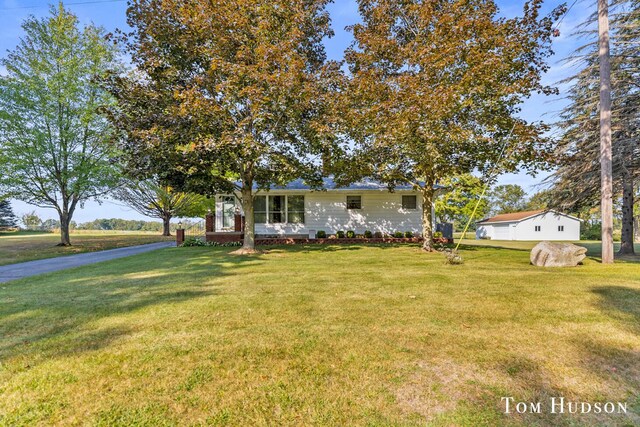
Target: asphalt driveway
(33, 268)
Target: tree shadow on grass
(622, 304)
(614, 362)
(54, 315)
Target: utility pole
(606, 202)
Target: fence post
(179, 236)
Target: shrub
(368, 234)
(398, 234)
(452, 257)
(437, 235)
(340, 234)
(351, 234)
(199, 242)
(378, 234)
(408, 234)
(321, 234)
(193, 242)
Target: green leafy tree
(31, 220)
(507, 198)
(539, 201)
(229, 95)
(50, 224)
(155, 200)
(7, 218)
(435, 91)
(458, 203)
(53, 142)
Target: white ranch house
(531, 225)
(295, 210)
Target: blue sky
(111, 15)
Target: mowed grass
(318, 335)
(29, 246)
(594, 247)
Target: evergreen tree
(577, 180)
(7, 218)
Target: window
(561, 228)
(538, 228)
(260, 209)
(354, 202)
(295, 209)
(276, 209)
(409, 202)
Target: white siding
(484, 232)
(548, 223)
(327, 210)
(526, 229)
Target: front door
(228, 212)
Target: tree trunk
(626, 247)
(249, 244)
(427, 220)
(166, 225)
(606, 202)
(65, 240)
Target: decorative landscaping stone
(552, 254)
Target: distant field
(27, 246)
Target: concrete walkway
(33, 268)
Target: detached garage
(530, 225)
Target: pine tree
(577, 180)
(7, 218)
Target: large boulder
(552, 254)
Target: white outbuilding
(531, 225)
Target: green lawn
(333, 335)
(28, 246)
(594, 247)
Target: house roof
(330, 184)
(520, 216)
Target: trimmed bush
(199, 242)
(351, 234)
(368, 234)
(398, 234)
(340, 234)
(321, 234)
(408, 234)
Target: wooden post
(606, 201)
(179, 236)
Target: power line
(64, 4)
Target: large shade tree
(53, 142)
(229, 95)
(436, 90)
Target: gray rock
(552, 254)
